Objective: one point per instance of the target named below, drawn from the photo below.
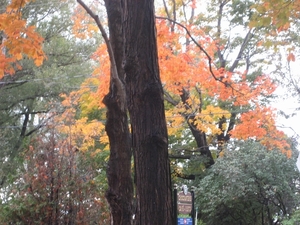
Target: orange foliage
(18, 39)
(75, 121)
(291, 57)
(188, 68)
(180, 67)
(84, 26)
(259, 124)
(184, 66)
(102, 73)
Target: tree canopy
(180, 90)
(249, 185)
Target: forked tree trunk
(146, 109)
(133, 41)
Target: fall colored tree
(215, 97)
(57, 184)
(212, 93)
(280, 14)
(282, 20)
(17, 39)
(31, 96)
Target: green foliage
(248, 185)
(294, 219)
(31, 97)
(28, 101)
(241, 12)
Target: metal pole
(175, 205)
(196, 215)
(193, 204)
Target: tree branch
(248, 37)
(114, 72)
(210, 61)
(166, 9)
(169, 98)
(180, 156)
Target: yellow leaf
(18, 56)
(38, 61)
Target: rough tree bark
(120, 192)
(146, 108)
(134, 62)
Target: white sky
(291, 125)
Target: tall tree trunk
(133, 42)
(120, 192)
(146, 108)
(200, 136)
(202, 145)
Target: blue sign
(185, 221)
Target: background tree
(214, 81)
(17, 38)
(249, 185)
(282, 20)
(31, 96)
(30, 99)
(56, 184)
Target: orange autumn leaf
(84, 26)
(291, 57)
(102, 72)
(259, 124)
(18, 39)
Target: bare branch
(180, 156)
(174, 14)
(166, 9)
(114, 71)
(170, 99)
(242, 49)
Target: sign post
(184, 204)
(185, 221)
(175, 204)
(193, 204)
